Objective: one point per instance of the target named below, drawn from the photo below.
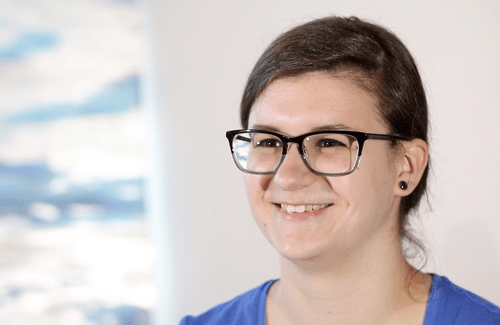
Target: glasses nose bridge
(288, 144)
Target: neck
(335, 290)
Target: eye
(268, 143)
(328, 143)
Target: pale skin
(342, 264)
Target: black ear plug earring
(403, 185)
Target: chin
(299, 256)
(299, 251)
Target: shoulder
(247, 308)
(451, 304)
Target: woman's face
(354, 213)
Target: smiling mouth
(301, 208)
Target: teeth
(302, 208)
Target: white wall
(202, 53)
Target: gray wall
(200, 54)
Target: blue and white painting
(74, 245)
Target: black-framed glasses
(329, 153)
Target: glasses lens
(257, 152)
(331, 153)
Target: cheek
(377, 172)
(250, 189)
(251, 186)
(372, 193)
(256, 186)
(367, 191)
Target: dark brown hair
(366, 53)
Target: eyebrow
(328, 127)
(332, 127)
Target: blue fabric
(448, 305)
(246, 309)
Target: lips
(302, 208)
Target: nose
(293, 173)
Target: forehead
(298, 104)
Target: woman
(322, 96)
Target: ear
(413, 164)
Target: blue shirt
(448, 305)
